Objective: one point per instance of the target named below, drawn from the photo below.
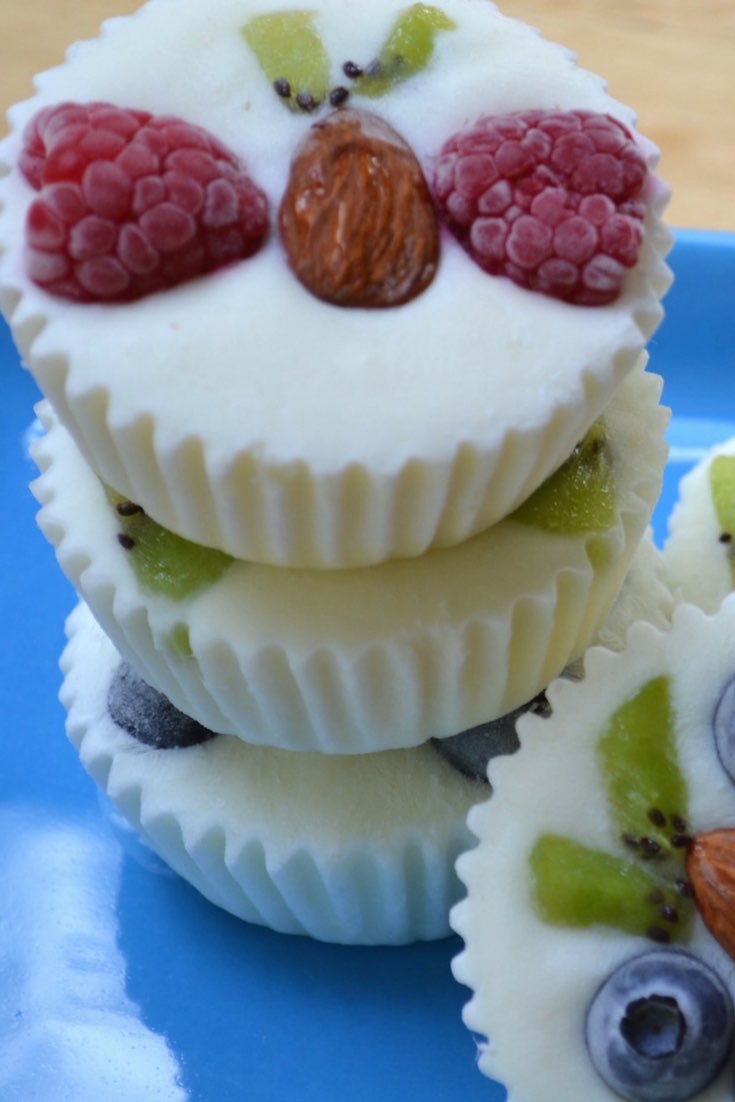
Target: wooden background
(673, 60)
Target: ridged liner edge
(247, 509)
(364, 897)
(388, 693)
(653, 649)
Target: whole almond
(711, 873)
(357, 221)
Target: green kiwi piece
(164, 562)
(292, 55)
(722, 486)
(580, 496)
(646, 790)
(577, 886)
(407, 49)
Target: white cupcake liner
(246, 415)
(354, 661)
(644, 595)
(531, 981)
(358, 850)
(700, 566)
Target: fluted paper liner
(699, 561)
(531, 981)
(372, 659)
(357, 850)
(245, 414)
(645, 595)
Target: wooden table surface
(673, 60)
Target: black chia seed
(306, 101)
(650, 847)
(128, 509)
(657, 933)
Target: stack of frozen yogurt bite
(349, 446)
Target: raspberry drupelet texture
(552, 200)
(130, 203)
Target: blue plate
(117, 980)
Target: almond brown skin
(711, 873)
(357, 220)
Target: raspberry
(130, 203)
(550, 199)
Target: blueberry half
(148, 715)
(724, 728)
(661, 1027)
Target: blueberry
(471, 750)
(724, 728)
(148, 715)
(661, 1027)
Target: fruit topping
(164, 562)
(643, 889)
(722, 485)
(357, 220)
(406, 51)
(470, 751)
(148, 716)
(577, 886)
(660, 1028)
(292, 56)
(647, 793)
(711, 871)
(580, 496)
(550, 199)
(724, 729)
(130, 204)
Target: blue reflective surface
(117, 980)
(695, 352)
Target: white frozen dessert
(354, 849)
(598, 923)
(239, 408)
(700, 550)
(356, 660)
(357, 849)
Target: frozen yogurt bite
(276, 349)
(350, 848)
(700, 549)
(388, 656)
(598, 920)
(350, 447)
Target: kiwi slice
(577, 886)
(643, 891)
(291, 54)
(580, 496)
(722, 486)
(407, 49)
(164, 562)
(646, 790)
